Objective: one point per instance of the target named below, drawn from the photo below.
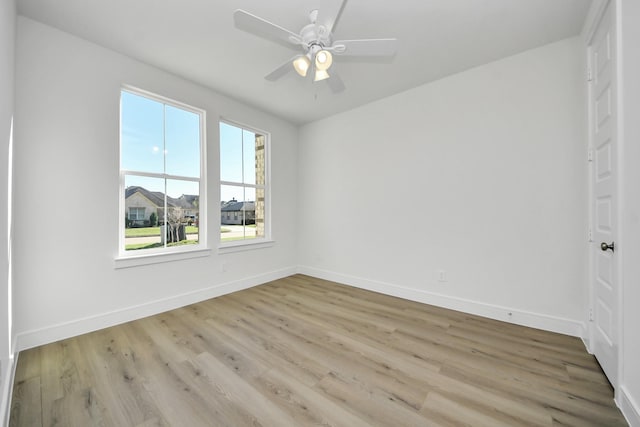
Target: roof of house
(186, 201)
(234, 206)
(189, 200)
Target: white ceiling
(197, 39)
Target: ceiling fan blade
(329, 17)
(366, 47)
(254, 24)
(335, 83)
(281, 70)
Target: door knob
(604, 246)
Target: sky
(160, 138)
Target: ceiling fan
(316, 43)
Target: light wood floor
(302, 351)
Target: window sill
(241, 246)
(158, 258)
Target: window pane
(230, 153)
(141, 133)
(249, 156)
(182, 141)
(237, 213)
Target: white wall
(7, 40)
(629, 390)
(482, 174)
(66, 164)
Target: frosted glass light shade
(301, 65)
(320, 75)
(324, 59)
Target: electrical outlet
(442, 276)
(224, 267)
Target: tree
(153, 219)
(175, 229)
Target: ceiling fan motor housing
(315, 35)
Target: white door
(605, 287)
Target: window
(136, 214)
(243, 184)
(161, 174)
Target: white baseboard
(34, 338)
(519, 317)
(586, 341)
(629, 407)
(7, 376)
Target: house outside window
(244, 155)
(161, 174)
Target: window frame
(130, 258)
(247, 244)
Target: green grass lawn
(153, 231)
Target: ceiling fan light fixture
(315, 44)
(321, 75)
(324, 59)
(301, 64)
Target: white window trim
(245, 245)
(125, 259)
(160, 257)
(267, 240)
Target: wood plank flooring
(306, 352)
